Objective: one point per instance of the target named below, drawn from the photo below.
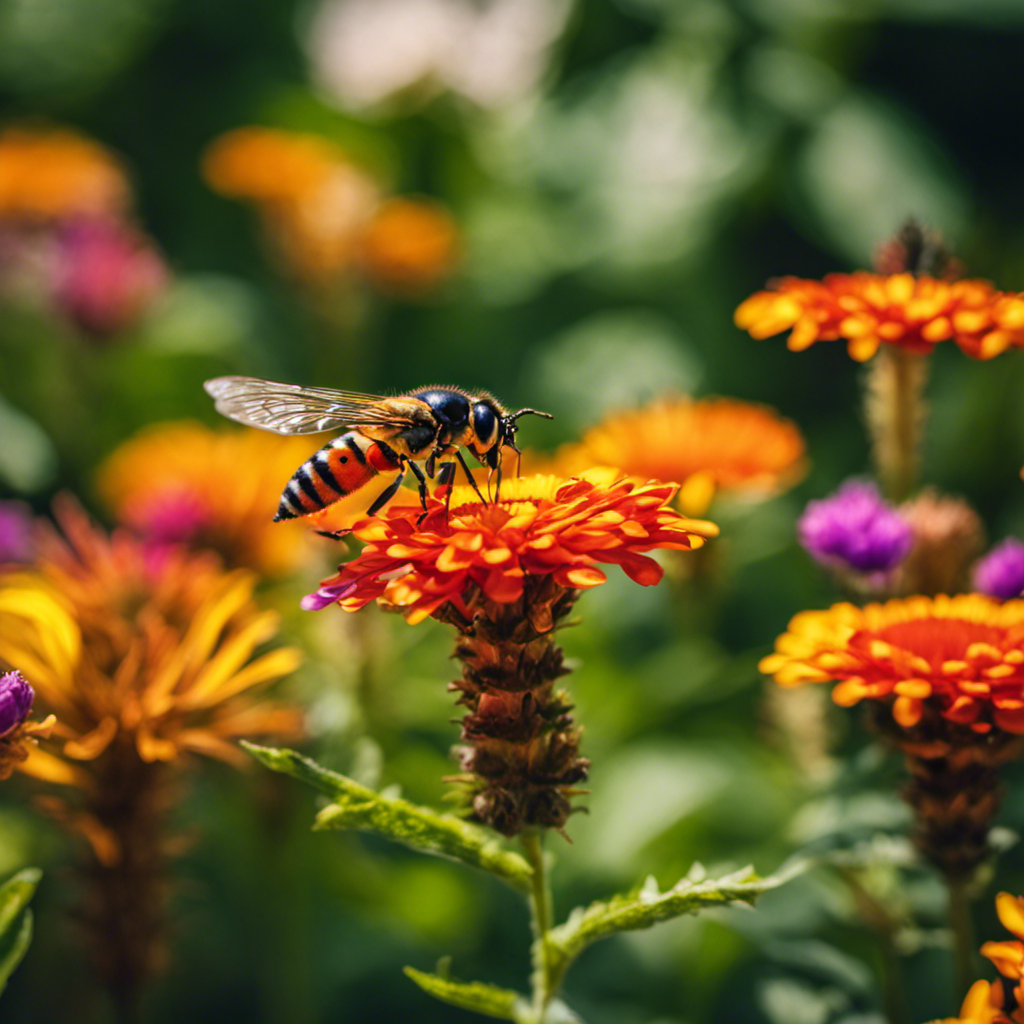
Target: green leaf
(471, 995)
(16, 920)
(357, 807)
(649, 906)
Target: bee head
(507, 426)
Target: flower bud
(1001, 572)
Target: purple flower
(15, 532)
(16, 698)
(855, 529)
(1001, 572)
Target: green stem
(962, 929)
(895, 413)
(545, 977)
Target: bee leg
(386, 496)
(421, 481)
(469, 475)
(445, 478)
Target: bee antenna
(529, 412)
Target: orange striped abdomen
(339, 468)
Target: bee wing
(290, 409)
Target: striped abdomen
(339, 468)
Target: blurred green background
(622, 175)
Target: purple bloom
(16, 698)
(1001, 572)
(15, 532)
(855, 529)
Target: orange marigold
(541, 526)
(57, 173)
(867, 310)
(714, 444)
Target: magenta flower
(855, 529)
(15, 532)
(1001, 572)
(16, 698)
(107, 276)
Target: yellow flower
(706, 446)
(868, 310)
(46, 174)
(220, 488)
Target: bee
(383, 435)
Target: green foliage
(357, 807)
(471, 995)
(16, 920)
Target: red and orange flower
(868, 310)
(1009, 956)
(542, 526)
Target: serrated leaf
(471, 995)
(649, 906)
(16, 920)
(357, 807)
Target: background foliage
(669, 159)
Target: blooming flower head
(16, 543)
(868, 310)
(408, 245)
(50, 174)
(715, 444)
(182, 481)
(151, 653)
(855, 529)
(1001, 572)
(983, 1004)
(541, 527)
(106, 275)
(1009, 956)
(962, 657)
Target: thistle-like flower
(506, 574)
(145, 655)
(1001, 572)
(944, 677)
(17, 734)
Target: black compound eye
(485, 425)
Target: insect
(383, 435)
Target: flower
(506, 574)
(183, 482)
(855, 529)
(15, 532)
(146, 656)
(1008, 957)
(948, 536)
(54, 173)
(868, 310)
(541, 526)
(707, 445)
(106, 276)
(17, 735)
(983, 1004)
(963, 656)
(1001, 572)
(408, 245)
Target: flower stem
(895, 413)
(544, 979)
(962, 930)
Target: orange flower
(708, 445)
(963, 655)
(542, 526)
(867, 310)
(983, 1004)
(185, 482)
(1009, 956)
(408, 245)
(47, 174)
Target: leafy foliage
(16, 920)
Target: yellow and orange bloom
(146, 656)
(983, 1004)
(707, 446)
(506, 574)
(48, 174)
(962, 656)
(184, 482)
(914, 313)
(1008, 956)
